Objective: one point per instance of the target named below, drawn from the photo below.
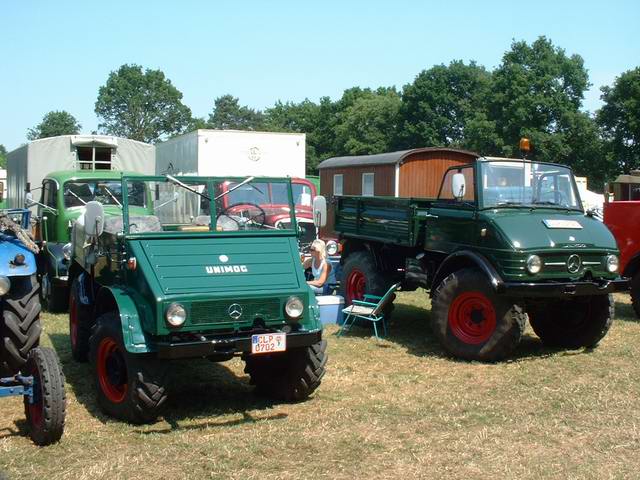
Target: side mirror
(94, 219)
(319, 211)
(28, 201)
(458, 186)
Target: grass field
(396, 408)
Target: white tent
(30, 163)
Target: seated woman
(320, 267)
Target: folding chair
(369, 310)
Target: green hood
(223, 265)
(526, 229)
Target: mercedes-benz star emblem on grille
(234, 311)
(573, 263)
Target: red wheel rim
(73, 321)
(472, 318)
(36, 408)
(356, 285)
(112, 370)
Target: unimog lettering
(218, 269)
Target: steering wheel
(255, 214)
(560, 195)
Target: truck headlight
(5, 285)
(66, 251)
(294, 308)
(175, 315)
(332, 247)
(612, 263)
(534, 264)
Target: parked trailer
(503, 240)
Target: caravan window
(94, 158)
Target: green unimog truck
(170, 274)
(63, 196)
(504, 240)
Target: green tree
(619, 120)
(228, 114)
(143, 106)
(53, 124)
(439, 104)
(3, 156)
(536, 91)
(369, 123)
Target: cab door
(49, 216)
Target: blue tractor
(26, 369)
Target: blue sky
(56, 55)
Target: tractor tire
(54, 299)
(129, 387)
(635, 293)
(20, 328)
(46, 415)
(471, 321)
(360, 276)
(576, 323)
(81, 322)
(290, 376)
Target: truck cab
(62, 199)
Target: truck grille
(217, 311)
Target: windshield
(186, 204)
(513, 183)
(108, 192)
(271, 194)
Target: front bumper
(216, 345)
(563, 290)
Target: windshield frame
(480, 190)
(210, 183)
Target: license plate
(268, 343)
(562, 224)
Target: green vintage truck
(504, 240)
(171, 274)
(63, 196)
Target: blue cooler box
(330, 308)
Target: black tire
(635, 293)
(20, 328)
(54, 298)
(360, 267)
(46, 415)
(290, 376)
(576, 323)
(81, 322)
(471, 321)
(129, 387)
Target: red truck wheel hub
(356, 285)
(112, 370)
(472, 318)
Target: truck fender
(117, 299)
(633, 265)
(466, 258)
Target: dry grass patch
(393, 408)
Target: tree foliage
(3, 156)
(228, 114)
(619, 119)
(53, 124)
(143, 106)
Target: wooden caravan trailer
(407, 173)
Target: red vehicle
(622, 216)
(267, 204)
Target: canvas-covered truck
(63, 196)
(173, 274)
(503, 240)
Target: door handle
(428, 215)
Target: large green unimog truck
(504, 239)
(63, 196)
(170, 274)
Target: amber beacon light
(525, 145)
